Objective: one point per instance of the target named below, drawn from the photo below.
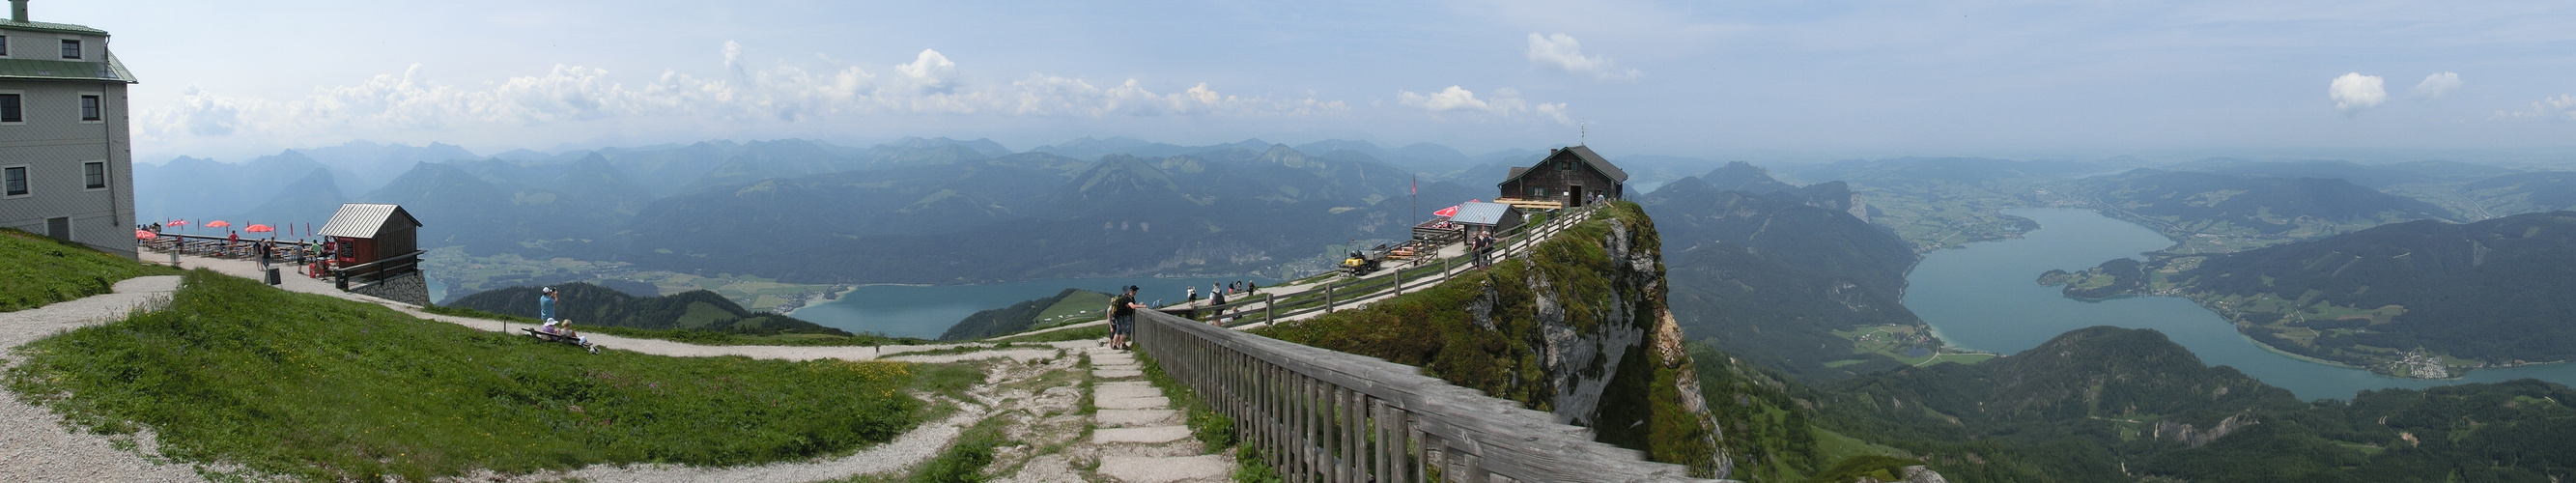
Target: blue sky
(1721, 80)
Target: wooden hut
(1569, 177)
(374, 241)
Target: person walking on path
(546, 303)
(1122, 317)
(1194, 296)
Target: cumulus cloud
(2561, 107)
(567, 94)
(1504, 103)
(2354, 92)
(1563, 52)
(2436, 85)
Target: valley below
(1981, 297)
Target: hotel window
(16, 180)
(9, 111)
(4, 45)
(94, 174)
(71, 49)
(89, 107)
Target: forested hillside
(2492, 292)
(1772, 275)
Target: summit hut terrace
(1569, 177)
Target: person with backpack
(1122, 317)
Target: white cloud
(930, 72)
(2436, 85)
(408, 103)
(1563, 52)
(2561, 107)
(1505, 102)
(2354, 92)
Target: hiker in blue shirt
(546, 303)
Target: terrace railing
(1321, 415)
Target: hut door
(1573, 196)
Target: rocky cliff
(1576, 326)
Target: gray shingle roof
(1579, 152)
(362, 220)
(1480, 213)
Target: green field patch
(318, 388)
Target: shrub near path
(326, 389)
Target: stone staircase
(1139, 437)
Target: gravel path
(34, 444)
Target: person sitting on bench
(563, 328)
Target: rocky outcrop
(1575, 326)
(2189, 436)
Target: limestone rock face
(2194, 437)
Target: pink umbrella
(144, 235)
(176, 223)
(260, 229)
(1450, 211)
(218, 224)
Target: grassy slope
(37, 271)
(326, 389)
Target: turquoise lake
(927, 310)
(1985, 297)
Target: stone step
(1117, 367)
(1128, 418)
(1138, 469)
(1125, 392)
(1116, 374)
(1155, 402)
(1125, 384)
(1148, 435)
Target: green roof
(50, 27)
(112, 70)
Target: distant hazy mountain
(309, 201)
(1088, 148)
(985, 147)
(587, 304)
(2373, 176)
(2208, 203)
(370, 165)
(2525, 192)
(1920, 171)
(1031, 215)
(204, 189)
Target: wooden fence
(1326, 416)
(1420, 272)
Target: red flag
(1417, 184)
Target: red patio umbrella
(260, 229)
(218, 224)
(144, 235)
(1450, 211)
(176, 223)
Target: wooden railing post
(1399, 281)
(1328, 297)
(1269, 308)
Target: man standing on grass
(546, 303)
(1122, 317)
